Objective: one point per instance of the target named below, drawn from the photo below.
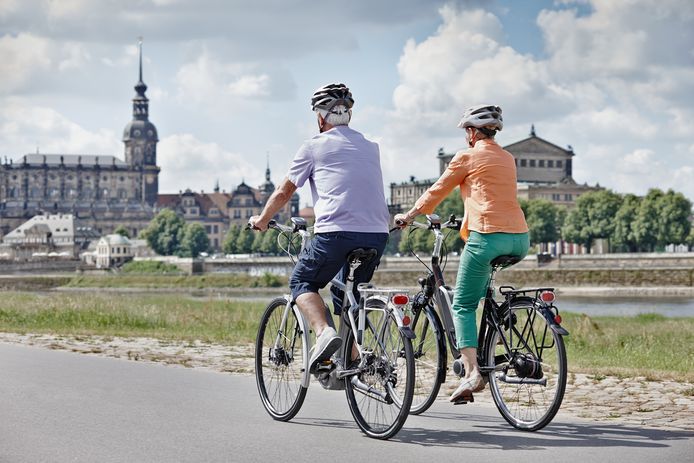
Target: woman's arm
(453, 176)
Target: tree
(542, 219)
(269, 245)
(645, 224)
(194, 241)
(229, 244)
(674, 211)
(592, 218)
(244, 241)
(122, 231)
(164, 232)
(625, 236)
(257, 243)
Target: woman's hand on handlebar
(401, 220)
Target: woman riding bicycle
(493, 225)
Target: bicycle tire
(379, 398)
(430, 357)
(525, 405)
(279, 370)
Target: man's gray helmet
(331, 95)
(482, 116)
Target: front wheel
(430, 355)
(281, 358)
(380, 395)
(528, 381)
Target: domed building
(101, 191)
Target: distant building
(48, 236)
(113, 251)
(544, 170)
(218, 212)
(101, 190)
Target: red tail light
(400, 299)
(406, 320)
(547, 296)
(557, 319)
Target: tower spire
(267, 170)
(140, 102)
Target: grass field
(645, 345)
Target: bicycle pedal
(324, 366)
(464, 399)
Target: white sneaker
(473, 383)
(326, 345)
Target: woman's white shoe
(473, 383)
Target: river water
(627, 306)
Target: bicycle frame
(357, 326)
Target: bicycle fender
(549, 316)
(407, 332)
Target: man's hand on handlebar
(254, 223)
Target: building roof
(36, 159)
(115, 240)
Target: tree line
(628, 222)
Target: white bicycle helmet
(331, 95)
(482, 116)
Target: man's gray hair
(338, 115)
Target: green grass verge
(646, 345)
(649, 345)
(159, 316)
(150, 281)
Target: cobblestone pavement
(632, 401)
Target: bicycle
(379, 381)
(522, 352)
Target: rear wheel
(380, 395)
(528, 382)
(429, 359)
(281, 357)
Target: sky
(230, 81)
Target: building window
(560, 164)
(550, 163)
(532, 163)
(249, 213)
(523, 162)
(208, 229)
(215, 229)
(249, 202)
(568, 197)
(541, 163)
(237, 213)
(556, 197)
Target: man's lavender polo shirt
(344, 171)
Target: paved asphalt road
(57, 406)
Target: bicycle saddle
(362, 254)
(505, 261)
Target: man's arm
(277, 200)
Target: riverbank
(638, 401)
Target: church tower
(140, 139)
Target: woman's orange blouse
(486, 175)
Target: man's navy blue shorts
(326, 254)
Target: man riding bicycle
(493, 225)
(344, 171)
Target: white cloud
(24, 127)
(20, 57)
(210, 81)
(617, 83)
(187, 162)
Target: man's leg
(312, 307)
